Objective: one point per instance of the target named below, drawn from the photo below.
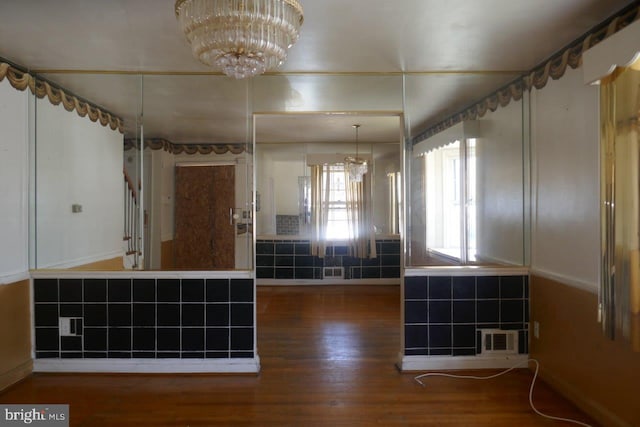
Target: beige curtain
(620, 193)
(320, 186)
(361, 233)
(362, 238)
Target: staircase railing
(131, 222)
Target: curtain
(362, 237)
(360, 232)
(620, 194)
(319, 213)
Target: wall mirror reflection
(184, 141)
(169, 188)
(468, 194)
(329, 198)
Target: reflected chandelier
(355, 166)
(242, 38)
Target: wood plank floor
(327, 354)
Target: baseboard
(16, 374)
(437, 363)
(590, 407)
(297, 282)
(150, 366)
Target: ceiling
(354, 59)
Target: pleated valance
(22, 80)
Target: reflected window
(337, 224)
(449, 183)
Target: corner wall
(15, 333)
(599, 375)
(15, 322)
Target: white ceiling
(351, 57)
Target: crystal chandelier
(355, 166)
(242, 38)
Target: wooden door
(204, 234)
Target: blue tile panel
(292, 259)
(145, 318)
(443, 314)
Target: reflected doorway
(204, 227)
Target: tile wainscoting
(291, 259)
(126, 318)
(445, 313)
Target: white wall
(565, 181)
(285, 173)
(500, 193)
(78, 162)
(386, 160)
(14, 183)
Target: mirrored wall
(168, 184)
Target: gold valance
(21, 80)
(203, 148)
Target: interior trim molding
(150, 366)
(10, 279)
(465, 270)
(436, 363)
(143, 274)
(12, 376)
(594, 409)
(78, 262)
(323, 282)
(41, 88)
(282, 73)
(538, 77)
(566, 280)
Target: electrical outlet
(70, 326)
(536, 329)
(65, 326)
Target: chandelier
(356, 166)
(241, 38)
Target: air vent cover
(333, 272)
(495, 341)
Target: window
(337, 226)
(449, 183)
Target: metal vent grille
(333, 272)
(497, 341)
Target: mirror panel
(467, 187)
(79, 170)
(207, 120)
(189, 140)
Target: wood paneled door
(204, 231)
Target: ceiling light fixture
(355, 166)
(242, 38)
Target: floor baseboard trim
(16, 374)
(150, 366)
(592, 408)
(322, 282)
(437, 363)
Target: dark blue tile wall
(145, 318)
(443, 314)
(292, 259)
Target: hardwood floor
(327, 356)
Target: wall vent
(496, 341)
(333, 273)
